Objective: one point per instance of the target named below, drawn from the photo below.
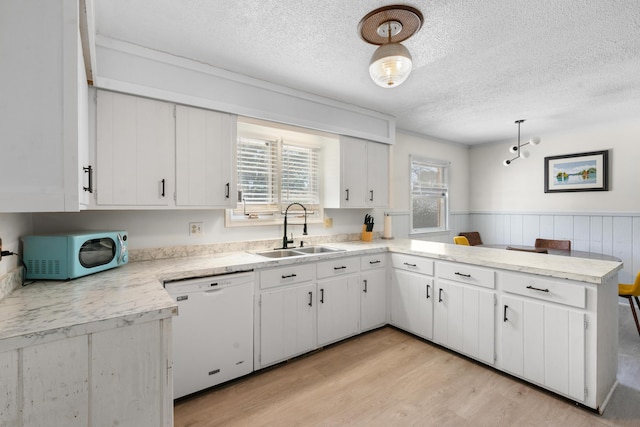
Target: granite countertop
(49, 310)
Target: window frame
(430, 191)
(247, 214)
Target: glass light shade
(390, 65)
(506, 162)
(534, 141)
(513, 149)
(524, 154)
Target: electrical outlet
(328, 222)
(196, 229)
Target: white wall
(520, 187)
(456, 154)
(12, 227)
(162, 228)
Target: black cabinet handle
(365, 286)
(322, 296)
(339, 268)
(227, 189)
(310, 299)
(89, 171)
(440, 295)
(462, 274)
(374, 262)
(162, 193)
(371, 198)
(410, 265)
(428, 296)
(289, 276)
(537, 289)
(347, 190)
(504, 316)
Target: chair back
(460, 240)
(473, 237)
(553, 244)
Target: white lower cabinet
(287, 323)
(120, 376)
(464, 310)
(338, 308)
(412, 303)
(464, 320)
(373, 291)
(544, 342)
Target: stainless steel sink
(317, 250)
(287, 253)
(279, 253)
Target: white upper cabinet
(135, 151)
(205, 158)
(43, 126)
(377, 175)
(357, 174)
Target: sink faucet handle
(302, 243)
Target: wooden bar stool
(630, 292)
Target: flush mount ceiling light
(518, 148)
(386, 27)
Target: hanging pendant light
(517, 149)
(387, 26)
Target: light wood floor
(389, 378)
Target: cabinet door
(353, 158)
(377, 175)
(412, 303)
(55, 383)
(464, 319)
(135, 151)
(287, 323)
(373, 299)
(44, 107)
(130, 363)
(205, 158)
(338, 308)
(544, 344)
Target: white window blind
(272, 174)
(429, 195)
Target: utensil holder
(367, 236)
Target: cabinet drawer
(549, 290)
(338, 266)
(412, 263)
(468, 274)
(369, 262)
(287, 275)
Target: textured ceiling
(478, 65)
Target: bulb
(506, 162)
(534, 141)
(513, 149)
(524, 154)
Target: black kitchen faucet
(285, 241)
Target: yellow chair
(629, 292)
(461, 240)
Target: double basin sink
(293, 252)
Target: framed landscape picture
(577, 172)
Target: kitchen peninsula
(65, 345)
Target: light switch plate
(196, 229)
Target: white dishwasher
(213, 332)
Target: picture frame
(577, 172)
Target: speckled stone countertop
(49, 310)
